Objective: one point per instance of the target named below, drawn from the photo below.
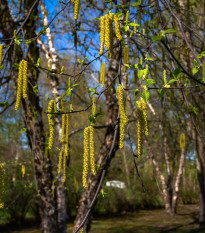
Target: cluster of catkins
(22, 83)
(141, 122)
(88, 131)
(123, 117)
(2, 180)
(106, 32)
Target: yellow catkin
(93, 105)
(139, 127)
(126, 57)
(60, 160)
(146, 72)
(66, 134)
(123, 117)
(203, 71)
(76, 9)
(142, 125)
(182, 141)
(102, 74)
(51, 123)
(1, 54)
(63, 123)
(117, 28)
(85, 156)
(92, 151)
(109, 33)
(2, 183)
(144, 112)
(20, 85)
(23, 170)
(64, 166)
(102, 34)
(25, 79)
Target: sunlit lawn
(152, 221)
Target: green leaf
(1, 67)
(201, 54)
(168, 31)
(28, 41)
(161, 93)
(3, 104)
(76, 84)
(17, 41)
(92, 120)
(140, 73)
(119, 14)
(172, 81)
(195, 70)
(134, 24)
(177, 73)
(156, 38)
(35, 89)
(62, 70)
(68, 92)
(38, 62)
(98, 114)
(22, 130)
(150, 81)
(137, 3)
(145, 95)
(125, 28)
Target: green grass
(145, 221)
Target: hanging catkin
(85, 156)
(25, 79)
(20, 85)
(2, 183)
(1, 53)
(126, 58)
(203, 71)
(139, 127)
(60, 160)
(123, 117)
(142, 125)
(66, 134)
(76, 9)
(64, 165)
(63, 122)
(51, 123)
(102, 74)
(93, 105)
(102, 34)
(109, 34)
(23, 170)
(117, 28)
(182, 141)
(92, 151)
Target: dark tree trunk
(50, 206)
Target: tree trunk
(112, 111)
(200, 165)
(32, 114)
(177, 181)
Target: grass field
(144, 221)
